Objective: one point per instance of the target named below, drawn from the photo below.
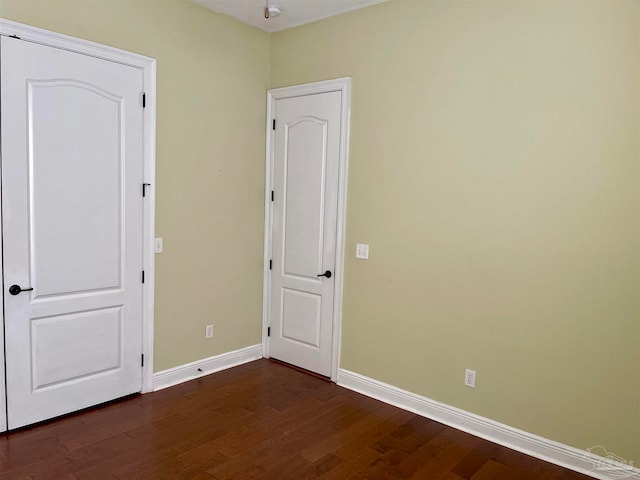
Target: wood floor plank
(353, 465)
(261, 421)
(380, 426)
(492, 470)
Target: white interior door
(306, 173)
(72, 229)
(3, 397)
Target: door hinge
(142, 276)
(268, 331)
(270, 264)
(274, 124)
(273, 195)
(142, 360)
(144, 100)
(144, 189)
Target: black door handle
(326, 274)
(16, 289)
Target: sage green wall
(494, 171)
(212, 78)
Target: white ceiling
(294, 12)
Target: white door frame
(342, 85)
(147, 66)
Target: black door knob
(16, 289)
(326, 274)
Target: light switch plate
(470, 378)
(362, 251)
(157, 245)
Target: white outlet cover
(470, 378)
(157, 245)
(208, 331)
(362, 251)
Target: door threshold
(300, 369)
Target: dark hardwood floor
(260, 420)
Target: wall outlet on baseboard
(470, 378)
(208, 331)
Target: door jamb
(148, 67)
(342, 85)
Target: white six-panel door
(72, 229)
(305, 182)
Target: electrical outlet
(470, 378)
(208, 331)
(157, 245)
(362, 251)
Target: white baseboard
(557, 453)
(189, 371)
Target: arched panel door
(306, 173)
(72, 229)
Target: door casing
(342, 85)
(147, 66)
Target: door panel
(57, 342)
(301, 316)
(72, 226)
(306, 168)
(304, 206)
(78, 225)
